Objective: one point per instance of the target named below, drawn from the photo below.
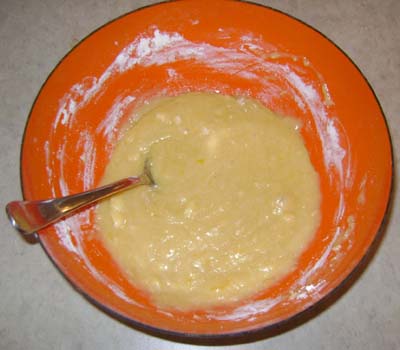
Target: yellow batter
(236, 202)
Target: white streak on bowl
(247, 311)
(88, 157)
(108, 127)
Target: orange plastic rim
(354, 203)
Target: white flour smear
(250, 58)
(248, 311)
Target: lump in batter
(236, 202)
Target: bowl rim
(258, 333)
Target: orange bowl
(234, 48)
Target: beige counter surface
(40, 310)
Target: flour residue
(250, 58)
(88, 157)
(361, 199)
(108, 127)
(248, 311)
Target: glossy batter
(236, 202)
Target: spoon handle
(31, 216)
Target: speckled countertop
(40, 310)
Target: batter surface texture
(236, 203)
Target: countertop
(40, 310)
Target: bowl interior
(238, 49)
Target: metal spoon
(30, 216)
